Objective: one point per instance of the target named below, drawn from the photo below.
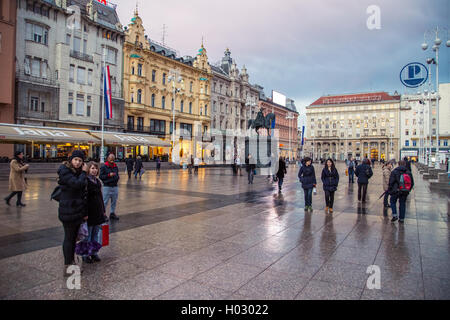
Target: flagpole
(102, 151)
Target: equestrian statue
(262, 121)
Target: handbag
(56, 194)
(346, 172)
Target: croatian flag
(107, 93)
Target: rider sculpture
(261, 121)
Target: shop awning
(24, 134)
(115, 138)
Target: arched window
(153, 100)
(163, 102)
(139, 96)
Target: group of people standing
(138, 166)
(397, 183)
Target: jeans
(19, 196)
(351, 176)
(280, 183)
(93, 236)
(329, 198)
(113, 193)
(362, 186)
(402, 205)
(70, 240)
(308, 196)
(250, 176)
(386, 199)
(140, 172)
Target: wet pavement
(213, 236)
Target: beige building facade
(150, 101)
(363, 125)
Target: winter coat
(351, 166)
(72, 204)
(330, 179)
(408, 166)
(394, 179)
(95, 206)
(281, 169)
(307, 176)
(130, 163)
(105, 174)
(364, 173)
(138, 165)
(17, 176)
(386, 175)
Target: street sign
(413, 75)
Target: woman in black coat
(95, 209)
(281, 172)
(364, 173)
(72, 204)
(307, 176)
(330, 180)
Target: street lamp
(435, 48)
(290, 116)
(174, 79)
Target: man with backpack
(401, 183)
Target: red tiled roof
(355, 98)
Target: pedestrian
(351, 170)
(191, 164)
(109, 174)
(250, 167)
(238, 165)
(364, 173)
(401, 183)
(407, 164)
(17, 182)
(130, 164)
(330, 180)
(158, 164)
(281, 172)
(138, 168)
(95, 211)
(72, 209)
(387, 169)
(196, 164)
(307, 177)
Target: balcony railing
(81, 56)
(26, 77)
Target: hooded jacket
(330, 179)
(307, 176)
(72, 204)
(364, 173)
(394, 179)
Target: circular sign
(413, 75)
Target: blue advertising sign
(303, 135)
(413, 75)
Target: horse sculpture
(261, 121)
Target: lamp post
(174, 79)
(435, 48)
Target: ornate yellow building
(149, 92)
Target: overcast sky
(302, 48)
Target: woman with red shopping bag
(96, 213)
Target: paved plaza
(214, 236)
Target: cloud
(306, 48)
